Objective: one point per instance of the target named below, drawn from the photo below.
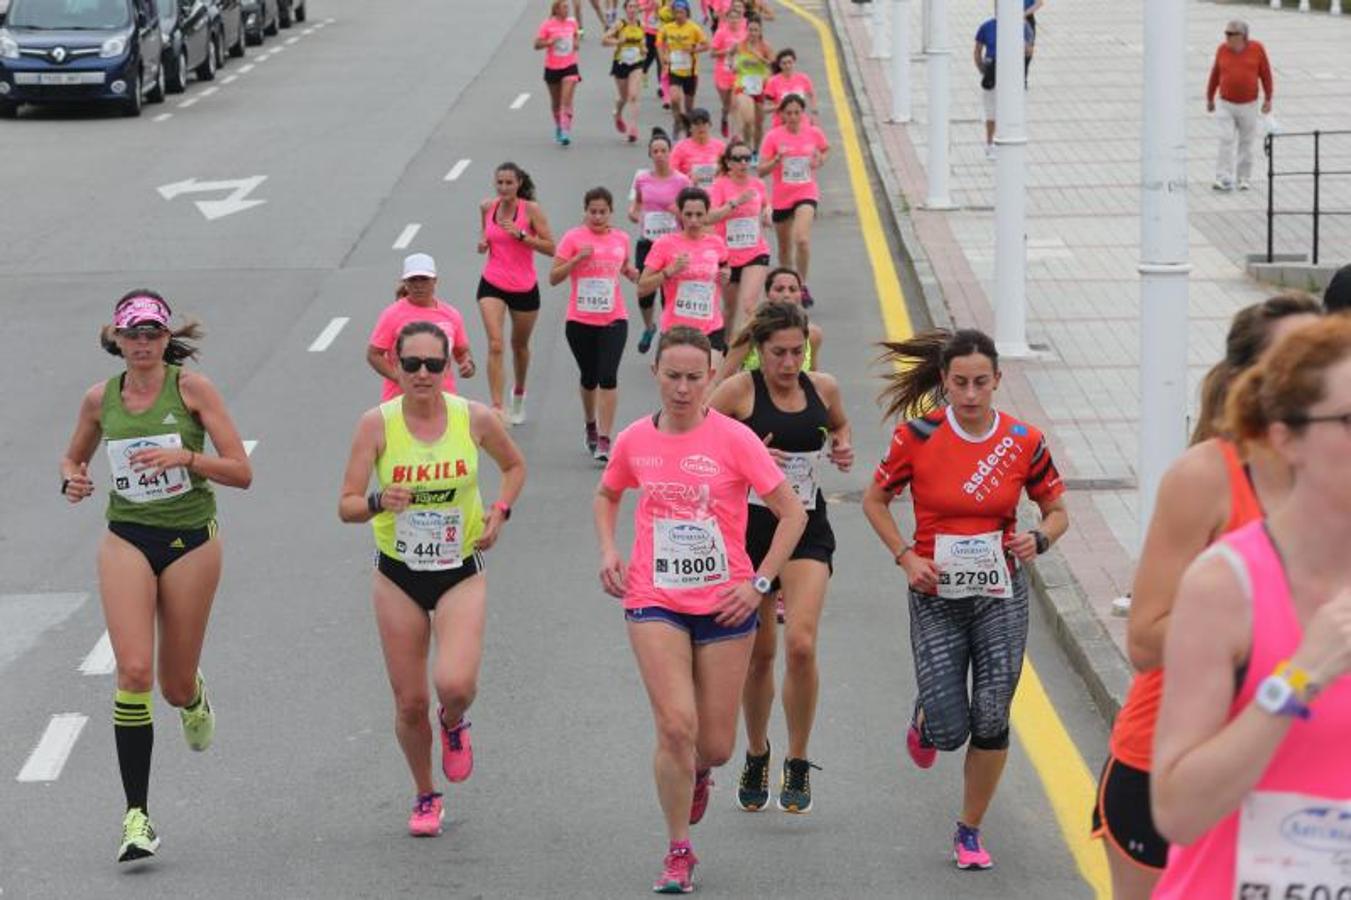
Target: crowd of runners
(1240, 568)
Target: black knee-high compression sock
(134, 731)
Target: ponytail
(915, 383)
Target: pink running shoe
(427, 816)
(457, 753)
(677, 872)
(968, 850)
(923, 756)
(703, 786)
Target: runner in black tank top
(800, 417)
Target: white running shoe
(1243, 185)
(1222, 184)
(517, 414)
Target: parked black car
(261, 18)
(290, 11)
(190, 42)
(52, 51)
(228, 18)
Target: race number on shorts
(145, 487)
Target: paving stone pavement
(1083, 123)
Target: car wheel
(273, 28)
(177, 77)
(156, 94)
(207, 70)
(254, 38)
(238, 49)
(8, 109)
(284, 13)
(300, 13)
(131, 107)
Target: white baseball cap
(419, 264)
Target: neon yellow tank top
(443, 523)
(752, 360)
(632, 44)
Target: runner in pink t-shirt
(788, 80)
(653, 210)
(741, 214)
(557, 37)
(689, 590)
(697, 155)
(417, 302)
(793, 152)
(594, 256)
(730, 32)
(691, 267)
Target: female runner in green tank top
(430, 533)
(782, 284)
(160, 559)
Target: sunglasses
(1233, 34)
(435, 364)
(137, 332)
(740, 157)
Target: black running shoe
(752, 793)
(795, 790)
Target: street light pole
(881, 33)
(1164, 266)
(1010, 205)
(939, 70)
(900, 61)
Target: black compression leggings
(982, 634)
(597, 349)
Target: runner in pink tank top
(730, 32)
(1251, 781)
(514, 229)
(653, 210)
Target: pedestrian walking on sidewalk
(1240, 68)
(984, 56)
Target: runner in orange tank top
(1212, 489)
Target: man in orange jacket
(1241, 68)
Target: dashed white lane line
(191, 101)
(100, 660)
(209, 91)
(49, 756)
(308, 31)
(406, 236)
(248, 447)
(162, 117)
(292, 40)
(520, 100)
(331, 331)
(231, 80)
(276, 50)
(259, 59)
(457, 170)
(244, 70)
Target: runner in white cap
(417, 302)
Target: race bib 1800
(688, 553)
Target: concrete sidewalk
(1084, 119)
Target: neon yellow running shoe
(138, 836)
(199, 723)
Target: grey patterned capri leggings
(980, 634)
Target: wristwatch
(1043, 542)
(1278, 694)
(762, 584)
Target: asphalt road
(305, 793)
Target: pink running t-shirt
(398, 314)
(689, 540)
(511, 263)
(741, 230)
(596, 297)
(562, 37)
(780, 86)
(698, 161)
(794, 177)
(656, 202)
(694, 296)
(725, 40)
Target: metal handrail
(1317, 173)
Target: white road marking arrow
(239, 189)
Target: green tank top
(442, 525)
(752, 361)
(175, 498)
(751, 73)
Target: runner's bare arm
(605, 512)
(366, 445)
(230, 466)
(489, 433)
(378, 359)
(543, 239)
(83, 443)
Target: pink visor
(141, 310)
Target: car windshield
(69, 14)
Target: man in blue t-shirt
(984, 57)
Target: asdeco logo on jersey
(700, 465)
(990, 469)
(431, 471)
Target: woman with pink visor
(514, 229)
(557, 37)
